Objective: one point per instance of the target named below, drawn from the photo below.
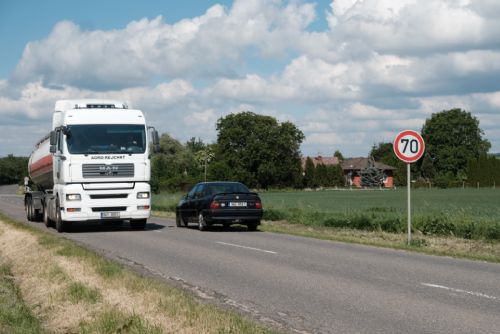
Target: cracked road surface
(300, 284)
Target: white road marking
(477, 294)
(158, 231)
(252, 248)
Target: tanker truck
(93, 166)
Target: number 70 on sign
(409, 146)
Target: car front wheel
(202, 224)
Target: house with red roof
(354, 167)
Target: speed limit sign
(409, 146)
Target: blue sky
(348, 73)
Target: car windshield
(106, 138)
(216, 188)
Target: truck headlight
(73, 197)
(143, 195)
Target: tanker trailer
(93, 166)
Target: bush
(273, 214)
(435, 225)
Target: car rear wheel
(252, 226)
(202, 224)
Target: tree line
(262, 152)
(13, 169)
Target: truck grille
(103, 170)
(110, 208)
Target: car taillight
(258, 205)
(214, 205)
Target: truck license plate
(237, 204)
(110, 215)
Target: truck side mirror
(156, 142)
(53, 138)
(53, 141)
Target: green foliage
(257, 150)
(80, 293)
(485, 170)
(13, 169)
(15, 316)
(309, 171)
(176, 166)
(452, 138)
(427, 169)
(371, 176)
(466, 213)
(338, 155)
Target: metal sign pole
(409, 204)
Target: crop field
(480, 203)
(469, 213)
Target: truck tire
(28, 209)
(61, 225)
(138, 224)
(46, 220)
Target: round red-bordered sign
(409, 146)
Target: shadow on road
(109, 227)
(218, 228)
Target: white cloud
(380, 66)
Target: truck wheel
(28, 209)
(46, 220)
(61, 225)
(202, 224)
(138, 224)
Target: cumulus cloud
(379, 66)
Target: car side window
(192, 192)
(200, 191)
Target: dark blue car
(226, 203)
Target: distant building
(352, 168)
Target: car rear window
(227, 188)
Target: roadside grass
(455, 222)
(72, 289)
(15, 316)
(428, 244)
(79, 292)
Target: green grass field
(480, 203)
(469, 213)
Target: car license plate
(110, 215)
(237, 204)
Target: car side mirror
(52, 149)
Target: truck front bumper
(106, 204)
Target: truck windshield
(106, 138)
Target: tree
(309, 172)
(338, 155)
(321, 176)
(258, 150)
(427, 169)
(174, 167)
(452, 138)
(383, 152)
(371, 176)
(336, 176)
(13, 169)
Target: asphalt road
(302, 284)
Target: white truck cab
(94, 165)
